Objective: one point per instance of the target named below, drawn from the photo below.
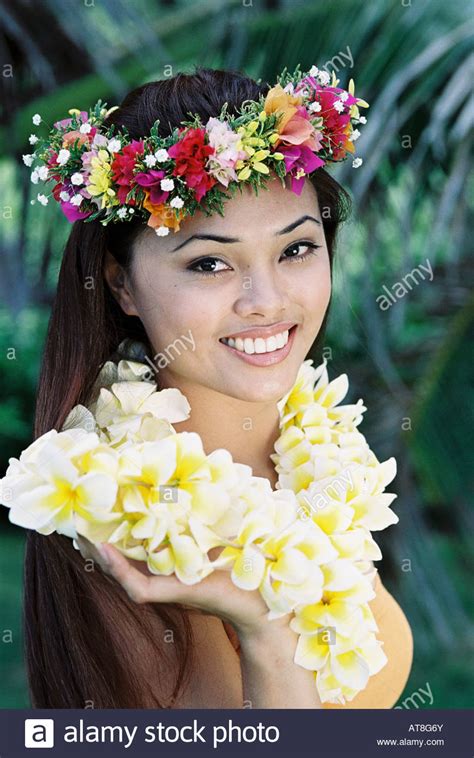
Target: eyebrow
(231, 240)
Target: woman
(250, 291)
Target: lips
(260, 352)
(263, 332)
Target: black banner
(285, 733)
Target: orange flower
(162, 215)
(277, 100)
(70, 137)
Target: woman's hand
(270, 677)
(216, 595)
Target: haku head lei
(303, 123)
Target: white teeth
(249, 347)
(280, 340)
(271, 344)
(259, 345)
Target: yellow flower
(52, 487)
(100, 179)
(354, 109)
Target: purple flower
(151, 180)
(299, 158)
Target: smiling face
(237, 313)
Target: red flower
(122, 168)
(190, 155)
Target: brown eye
(310, 250)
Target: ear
(118, 282)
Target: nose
(263, 293)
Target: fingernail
(104, 554)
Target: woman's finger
(140, 587)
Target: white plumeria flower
(42, 199)
(162, 231)
(343, 96)
(85, 128)
(63, 156)
(122, 212)
(36, 119)
(114, 145)
(34, 176)
(77, 178)
(64, 196)
(324, 78)
(33, 139)
(363, 120)
(161, 155)
(338, 106)
(314, 107)
(357, 162)
(76, 200)
(42, 172)
(28, 159)
(150, 161)
(177, 202)
(355, 135)
(167, 185)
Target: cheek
(313, 290)
(171, 311)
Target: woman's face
(260, 275)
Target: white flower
(36, 119)
(167, 185)
(33, 139)
(42, 199)
(338, 106)
(314, 71)
(150, 161)
(42, 172)
(290, 88)
(357, 162)
(177, 202)
(34, 176)
(161, 155)
(28, 159)
(85, 128)
(114, 145)
(323, 77)
(314, 107)
(63, 157)
(77, 178)
(343, 96)
(122, 212)
(363, 120)
(76, 200)
(162, 231)
(355, 135)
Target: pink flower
(68, 121)
(224, 141)
(299, 160)
(151, 180)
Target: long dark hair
(82, 632)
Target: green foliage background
(414, 63)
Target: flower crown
(101, 173)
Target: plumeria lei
(119, 472)
(304, 122)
